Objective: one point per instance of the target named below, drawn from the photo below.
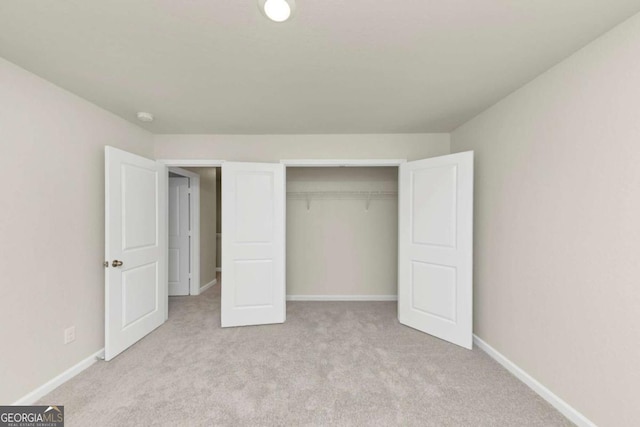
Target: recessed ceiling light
(277, 10)
(145, 117)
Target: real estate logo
(32, 416)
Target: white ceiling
(339, 66)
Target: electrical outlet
(70, 335)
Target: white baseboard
(208, 285)
(567, 410)
(54, 383)
(342, 297)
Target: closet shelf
(341, 195)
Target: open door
(435, 247)
(253, 244)
(135, 248)
(179, 237)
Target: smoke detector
(145, 117)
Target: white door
(179, 248)
(435, 247)
(135, 248)
(253, 244)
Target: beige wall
(337, 247)
(272, 148)
(52, 226)
(557, 241)
(208, 214)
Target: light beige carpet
(331, 363)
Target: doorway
(183, 232)
(342, 233)
(180, 224)
(204, 205)
(192, 230)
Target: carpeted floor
(331, 363)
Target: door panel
(434, 187)
(135, 235)
(179, 240)
(435, 247)
(139, 293)
(249, 272)
(253, 244)
(139, 220)
(437, 300)
(254, 207)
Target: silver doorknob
(116, 263)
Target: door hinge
(106, 264)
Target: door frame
(350, 163)
(194, 222)
(175, 164)
(332, 163)
(186, 163)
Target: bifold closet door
(253, 244)
(135, 248)
(435, 260)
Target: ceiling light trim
(277, 11)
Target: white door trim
(194, 208)
(191, 163)
(328, 163)
(290, 162)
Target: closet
(342, 233)
(261, 214)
